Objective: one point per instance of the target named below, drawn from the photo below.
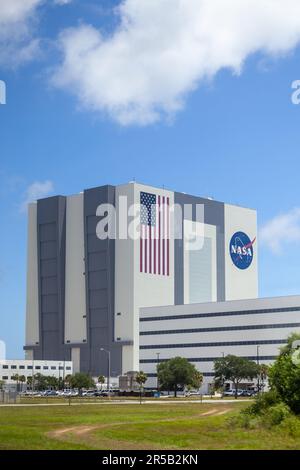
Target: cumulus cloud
(18, 19)
(36, 190)
(17, 44)
(161, 50)
(281, 230)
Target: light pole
(59, 376)
(157, 355)
(257, 361)
(32, 378)
(223, 379)
(108, 377)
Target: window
(37, 367)
(22, 367)
(68, 368)
(13, 367)
(4, 377)
(61, 368)
(5, 367)
(53, 368)
(45, 367)
(29, 367)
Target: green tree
(15, 378)
(235, 369)
(176, 373)
(101, 380)
(2, 382)
(40, 381)
(81, 380)
(141, 379)
(68, 380)
(29, 382)
(197, 379)
(263, 372)
(22, 380)
(284, 376)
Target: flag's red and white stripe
(155, 240)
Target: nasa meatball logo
(241, 250)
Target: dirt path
(78, 431)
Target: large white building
(84, 292)
(11, 367)
(254, 329)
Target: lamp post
(59, 376)
(32, 378)
(257, 361)
(223, 378)
(157, 355)
(108, 377)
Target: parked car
(89, 393)
(50, 393)
(192, 393)
(231, 393)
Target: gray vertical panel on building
(213, 215)
(51, 236)
(100, 282)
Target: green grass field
(152, 426)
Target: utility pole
(157, 355)
(108, 376)
(32, 378)
(257, 361)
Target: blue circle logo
(241, 250)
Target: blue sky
(236, 138)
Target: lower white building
(10, 367)
(255, 329)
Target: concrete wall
(32, 299)
(75, 298)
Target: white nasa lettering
(242, 251)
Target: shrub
(284, 376)
(262, 402)
(242, 420)
(276, 414)
(291, 426)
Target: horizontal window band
(209, 359)
(205, 374)
(221, 328)
(207, 345)
(223, 314)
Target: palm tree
(68, 379)
(101, 380)
(16, 378)
(29, 382)
(22, 379)
(141, 379)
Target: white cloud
(281, 230)
(36, 190)
(18, 19)
(62, 2)
(17, 45)
(163, 49)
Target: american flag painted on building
(155, 234)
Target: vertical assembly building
(85, 291)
